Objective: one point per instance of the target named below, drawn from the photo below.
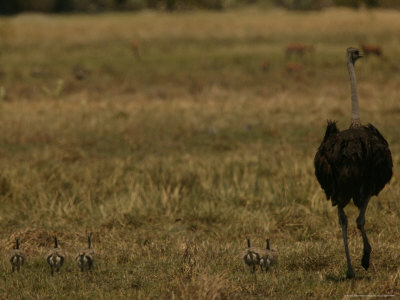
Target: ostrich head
(90, 240)
(55, 241)
(16, 243)
(248, 240)
(353, 54)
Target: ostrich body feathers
(352, 164)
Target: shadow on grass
(342, 278)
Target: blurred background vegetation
(60, 6)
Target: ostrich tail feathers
(330, 129)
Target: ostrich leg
(360, 224)
(343, 224)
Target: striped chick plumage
(55, 257)
(251, 256)
(17, 257)
(85, 257)
(267, 257)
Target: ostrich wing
(323, 168)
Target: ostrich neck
(355, 110)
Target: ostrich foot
(365, 258)
(350, 274)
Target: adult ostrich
(355, 163)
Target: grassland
(173, 157)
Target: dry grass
(173, 157)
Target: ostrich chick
(55, 257)
(17, 257)
(251, 256)
(267, 257)
(85, 257)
